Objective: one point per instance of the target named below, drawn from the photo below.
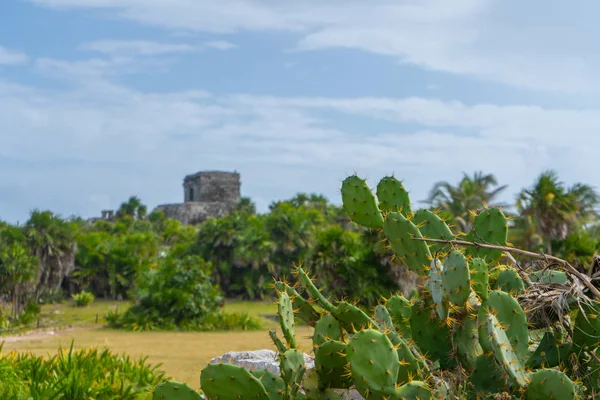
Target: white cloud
(487, 39)
(11, 57)
(136, 47)
(100, 142)
(220, 45)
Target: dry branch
(540, 256)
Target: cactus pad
(549, 352)
(410, 366)
(490, 226)
(373, 362)
(431, 335)
(413, 391)
(330, 358)
(383, 319)
(393, 197)
(456, 278)
(503, 351)
(310, 385)
(400, 309)
(286, 319)
(172, 390)
(510, 314)
(479, 277)
(466, 339)
(587, 326)
(274, 385)
(509, 281)
(291, 364)
(360, 203)
(436, 287)
(351, 317)
(550, 384)
(327, 328)
(487, 377)
(312, 290)
(400, 232)
(304, 310)
(549, 276)
(226, 381)
(432, 227)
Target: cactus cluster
(465, 335)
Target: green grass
(182, 354)
(66, 314)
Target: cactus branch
(540, 256)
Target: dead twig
(539, 256)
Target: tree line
(50, 257)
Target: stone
(267, 360)
(257, 359)
(207, 194)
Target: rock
(257, 359)
(267, 360)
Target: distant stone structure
(206, 194)
(107, 215)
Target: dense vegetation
(482, 326)
(76, 374)
(147, 258)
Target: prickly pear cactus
(456, 278)
(327, 328)
(393, 197)
(504, 352)
(433, 226)
(286, 319)
(456, 334)
(273, 384)
(431, 335)
(173, 390)
(435, 284)
(508, 280)
(360, 203)
(490, 226)
(510, 315)
(400, 232)
(549, 276)
(550, 384)
(224, 381)
(373, 362)
(479, 277)
(330, 358)
(303, 309)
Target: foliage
(109, 262)
(465, 336)
(83, 299)
(469, 195)
(178, 294)
(76, 374)
(346, 265)
(17, 268)
(556, 210)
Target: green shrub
(83, 299)
(76, 374)
(179, 295)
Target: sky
(101, 100)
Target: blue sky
(104, 99)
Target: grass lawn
(182, 354)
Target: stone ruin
(206, 194)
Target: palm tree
(132, 208)
(52, 241)
(557, 211)
(470, 194)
